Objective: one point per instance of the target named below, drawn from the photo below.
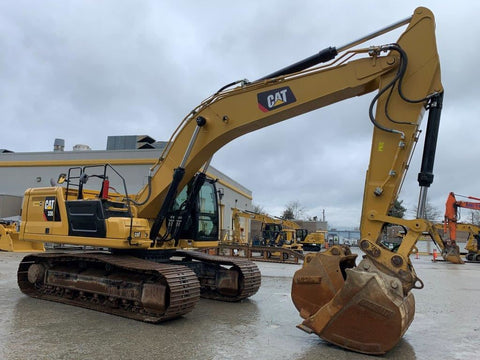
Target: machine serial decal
(273, 99)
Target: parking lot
(446, 324)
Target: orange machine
(451, 224)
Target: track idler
(358, 308)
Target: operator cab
(200, 216)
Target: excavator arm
(368, 308)
(232, 113)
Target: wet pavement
(446, 323)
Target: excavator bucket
(357, 308)
(452, 254)
(320, 278)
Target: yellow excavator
(473, 242)
(271, 228)
(311, 241)
(314, 241)
(473, 239)
(147, 271)
(294, 234)
(448, 251)
(277, 242)
(277, 232)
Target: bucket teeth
(363, 312)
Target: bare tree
(431, 213)
(256, 208)
(294, 210)
(473, 217)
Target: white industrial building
(131, 156)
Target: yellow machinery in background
(276, 243)
(311, 241)
(271, 228)
(448, 252)
(473, 239)
(473, 242)
(314, 241)
(275, 232)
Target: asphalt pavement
(446, 323)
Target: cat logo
(49, 209)
(273, 99)
(49, 203)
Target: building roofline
(112, 157)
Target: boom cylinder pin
(375, 34)
(331, 52)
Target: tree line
(294, 210)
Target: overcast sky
(84, 70)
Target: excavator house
(144, 264)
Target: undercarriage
(136, 288)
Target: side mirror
(61, 178)
(83, 178)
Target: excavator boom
(231, 113)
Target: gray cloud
(85, 70)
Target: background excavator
(449, 251)
(293, 233)
(315, 240)
(275, 244)
(451, 226)
(276, 232)
(145, 274)
(473, 241)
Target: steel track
(182, 286)
(249, 274)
